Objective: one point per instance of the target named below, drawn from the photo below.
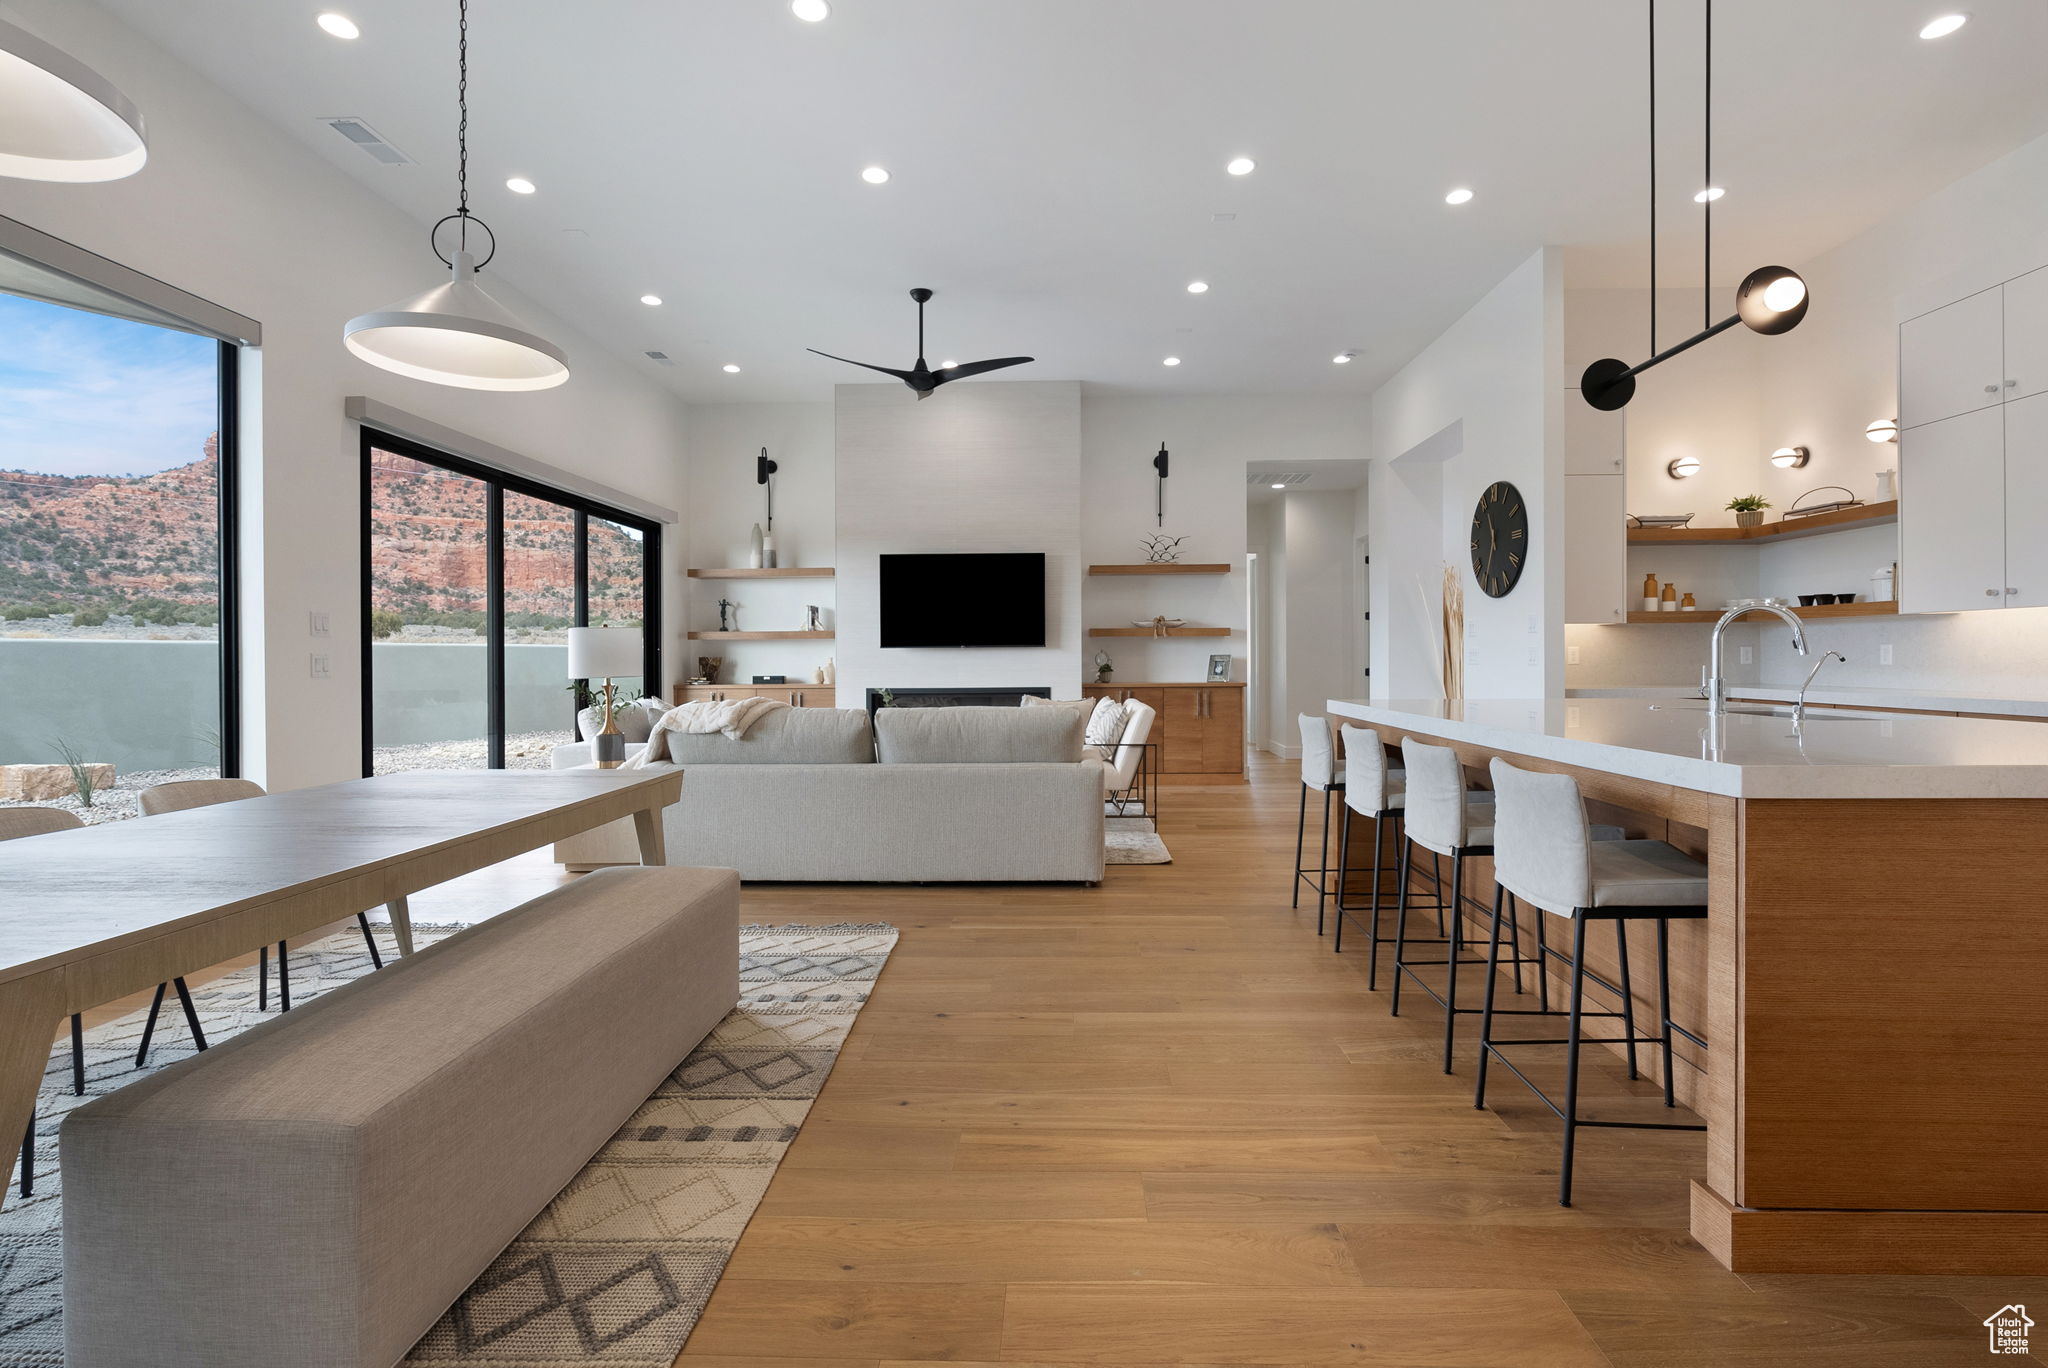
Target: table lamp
(606, 653)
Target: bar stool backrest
(1365, 770)
(180, 794)
(1318, 758)
(1542, 850)
(35, 821)
(1434, 810)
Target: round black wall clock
(1500, 539)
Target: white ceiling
(1057, 163)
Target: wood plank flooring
(1160, 1123)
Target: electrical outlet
(1748, 656)
(316, 624)
(320, 667)
(1571, 655)
(1884, 653)
(1532, 655)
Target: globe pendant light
(59, 119)
(1770, 300)
(456, 334)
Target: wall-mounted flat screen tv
(978, 599)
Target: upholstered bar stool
(1375, 790)
(1442, 817)
(1318, 773)
(1545, 855)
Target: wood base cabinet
(796, 695)
(1200, 729)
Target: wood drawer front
(796, 695)
(1200, 730)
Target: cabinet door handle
(1990, 593)
(1991, 389)
(2010, 590)
(2012, 384)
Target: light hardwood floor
(1159, 1122)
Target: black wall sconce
(1159, 464)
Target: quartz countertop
(1848, 695)
(1756, 752)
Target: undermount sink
(1766, 710)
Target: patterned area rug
(618, 1267)
(1133, 841)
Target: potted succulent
(1749, 509)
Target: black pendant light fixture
(456, 334)
(1770, 300)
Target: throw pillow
(1106, 723)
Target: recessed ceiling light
(1342, 358)
(519, 185)
(810, 11)
(650, 300)
(1171, 361)
(1278, 486)
(1198, 287)
(1459, 196)
(1241, 166)
(1709, 195)
(735, 370)
(341, 26)
(874, 175)
(1944, 26)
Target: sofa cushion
(971, 736)
(785, 736)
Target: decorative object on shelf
(1160, 463)
(1748, 509)
(1103, 667)
(1660, 519)
(1887, 484)
(1883, 430)
(1881, 584)
(1219, 669)
(1669, 602)
(65, 121)
(1684, 468)
(764, 472)
(1801, 509)
(1162, 550)
(920, 377)
(1160, 625)
(1649, 593)
(831, 670)
(1770, 300)
(606, 653)
(818, 675)
(1453, 663)
(1790, 458)
(758, 551)
(708, 668)
(1500, 539)
(814, 618)
(456, 334)
(771, 679)
(728, 615)
(1686, 604)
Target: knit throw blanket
(735, 717)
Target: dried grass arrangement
(1453, 639)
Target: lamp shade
(456, 334)
(605, 653)
(59, 119)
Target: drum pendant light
(456, 334)
(59, 119)
(1770, 300)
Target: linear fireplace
(960, 697)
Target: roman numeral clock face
(1500, 539)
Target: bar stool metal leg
(262, 978)
(284, 981)
(1401, 922)
(1571, 1060)
(1500, 896)
(1628, 997)
(1451, 955)
(1343, 868)
(1323, 863)
(1664, 1001)
(1300, 840)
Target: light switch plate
(321, 668)
(1748, 655)
(316, 624)
(1884, 653)
(1571, 655)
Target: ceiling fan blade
(899, 374)
(967, 368)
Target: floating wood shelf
(761, 636)
(1818, 610)
(1841, 520)
(779, 572)
(1153, 568)
(1153, 631)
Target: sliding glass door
(471, 581)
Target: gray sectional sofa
(918, 794)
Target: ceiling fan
(921, 377)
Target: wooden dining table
(93, 915)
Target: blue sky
(81, 394)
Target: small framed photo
(1219, 667)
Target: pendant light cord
(1652, 5)
(462, 120)
(1707, 173)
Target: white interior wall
(1484, 402)
(236, 212)
(1322, 617)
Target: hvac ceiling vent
(1280, 477)
(660, 357)
(370, 140)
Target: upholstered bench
(318, 1190)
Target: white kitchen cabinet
(2026, 335)
(1952, 514)
(1596, 548)
(1595, 443)
(2026, 502)
(1951, 361)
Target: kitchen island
(1872, 978)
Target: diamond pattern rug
(618, 1267)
